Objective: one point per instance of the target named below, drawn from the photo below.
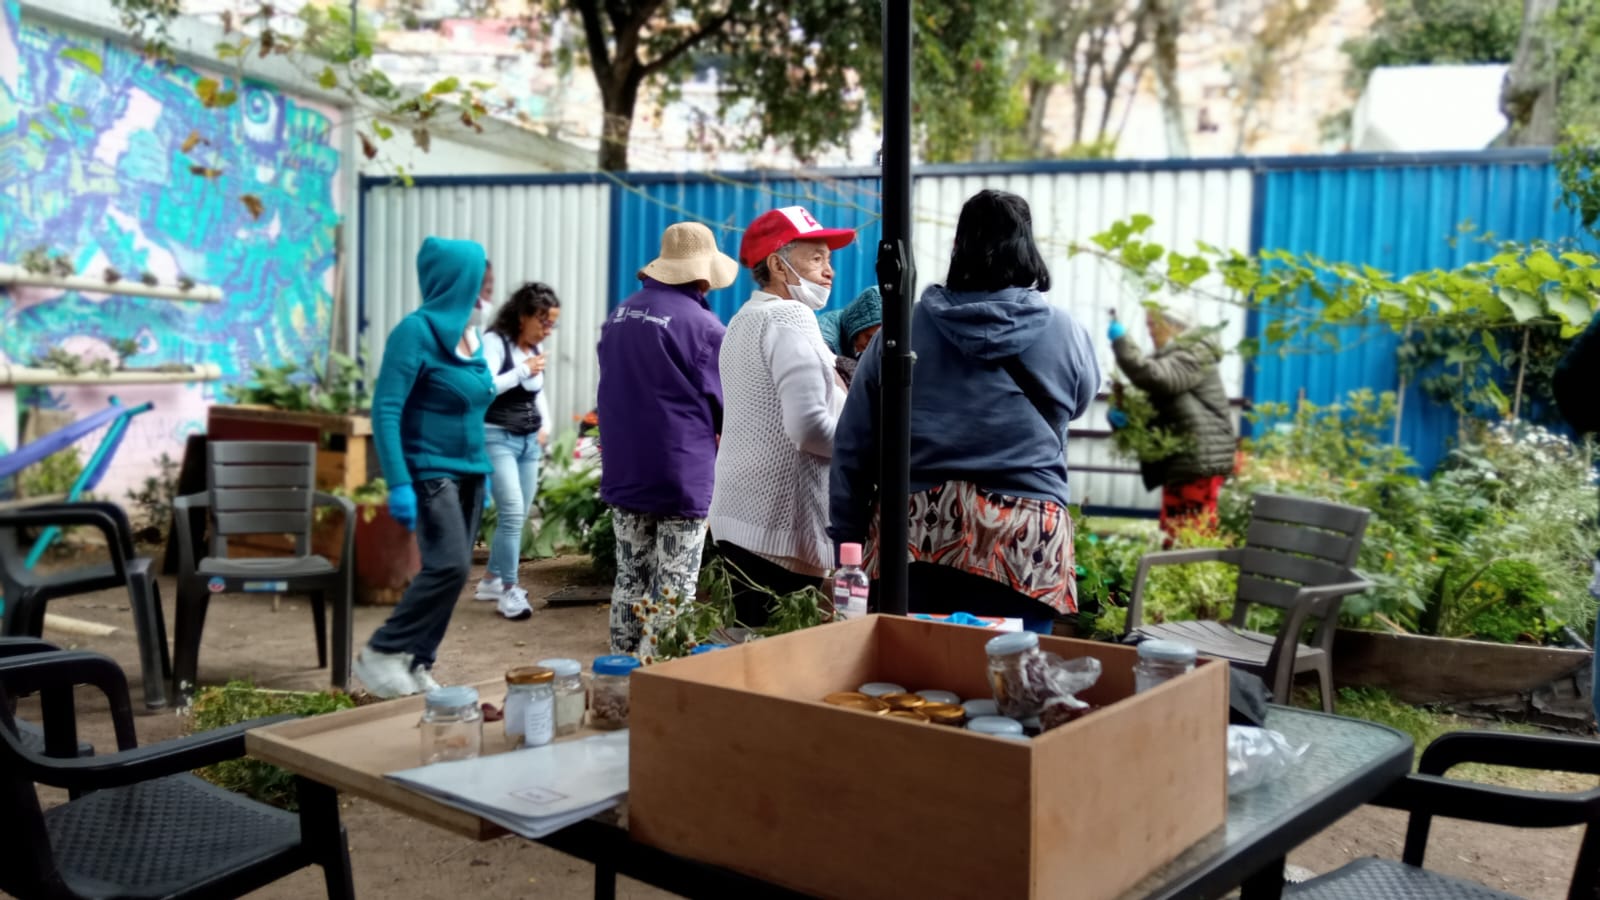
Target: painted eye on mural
(261, 118)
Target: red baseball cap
(775, 228)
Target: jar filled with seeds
(1018, 673)
(608, 706)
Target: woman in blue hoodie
(427, 421)
(1000, 374)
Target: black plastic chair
(32, 735)
(28, 591)
(262, 488)
(1429, 793)
(1299, 555)
(140, 826)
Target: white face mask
(813, 295)
(480, 315)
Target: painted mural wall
(102, 177)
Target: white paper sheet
(536, 791)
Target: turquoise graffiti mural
(103, 178)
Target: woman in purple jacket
(660, 410)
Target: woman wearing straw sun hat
(660, 412)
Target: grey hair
(1177, 321)
(762, 272)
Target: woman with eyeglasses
(515, 431)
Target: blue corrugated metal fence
(1400, 219)
(1398, 213)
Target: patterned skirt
(1022, 543)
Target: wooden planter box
(344, 443)
(735, 760)
(1419, 669)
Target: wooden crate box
(736, 761)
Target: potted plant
(387, 557)
(325, 403)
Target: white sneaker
(513, 604)
(423, 677)
(386, 675)
(490, 588)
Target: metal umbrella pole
(897, 277)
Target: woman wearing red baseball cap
(781, 399)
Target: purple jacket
(660, 402)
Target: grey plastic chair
(1428, 794)
(28, 591)
(1299, 556)
(138, 824)
(256, 488)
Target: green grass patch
(241, 701)
(1425, 725)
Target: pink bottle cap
(850, 554)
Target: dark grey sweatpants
(448, 511)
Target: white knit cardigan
(781, 400)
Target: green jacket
(1186, 390)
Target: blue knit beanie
(864, 312)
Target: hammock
(56, 441)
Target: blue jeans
(516, 459)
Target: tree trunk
(1039, 91)
(1168, 15)
(1528, 95)
(618, 127)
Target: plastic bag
(1257, 756)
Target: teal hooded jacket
(429, 402)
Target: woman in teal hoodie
(427, 422)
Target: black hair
(534, 298)
(994, 246)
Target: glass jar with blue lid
(608, 702)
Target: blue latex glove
(1117, 329)
(403, 505)
(1117, 418)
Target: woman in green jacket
(1184, 386)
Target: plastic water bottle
(850, 584)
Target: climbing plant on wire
(1521, 288)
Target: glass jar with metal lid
(608, 708)
(1159, 662)
(571, 696)
(531, 705)
(452, 725)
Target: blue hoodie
(970, 421)
(428, 404)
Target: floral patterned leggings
(658, 568)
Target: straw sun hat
(688, 254)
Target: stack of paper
(536, 791)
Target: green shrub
(1496, 545)
(241, 701)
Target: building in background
(1423, 108)
(116, 164)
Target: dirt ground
(395, 856)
